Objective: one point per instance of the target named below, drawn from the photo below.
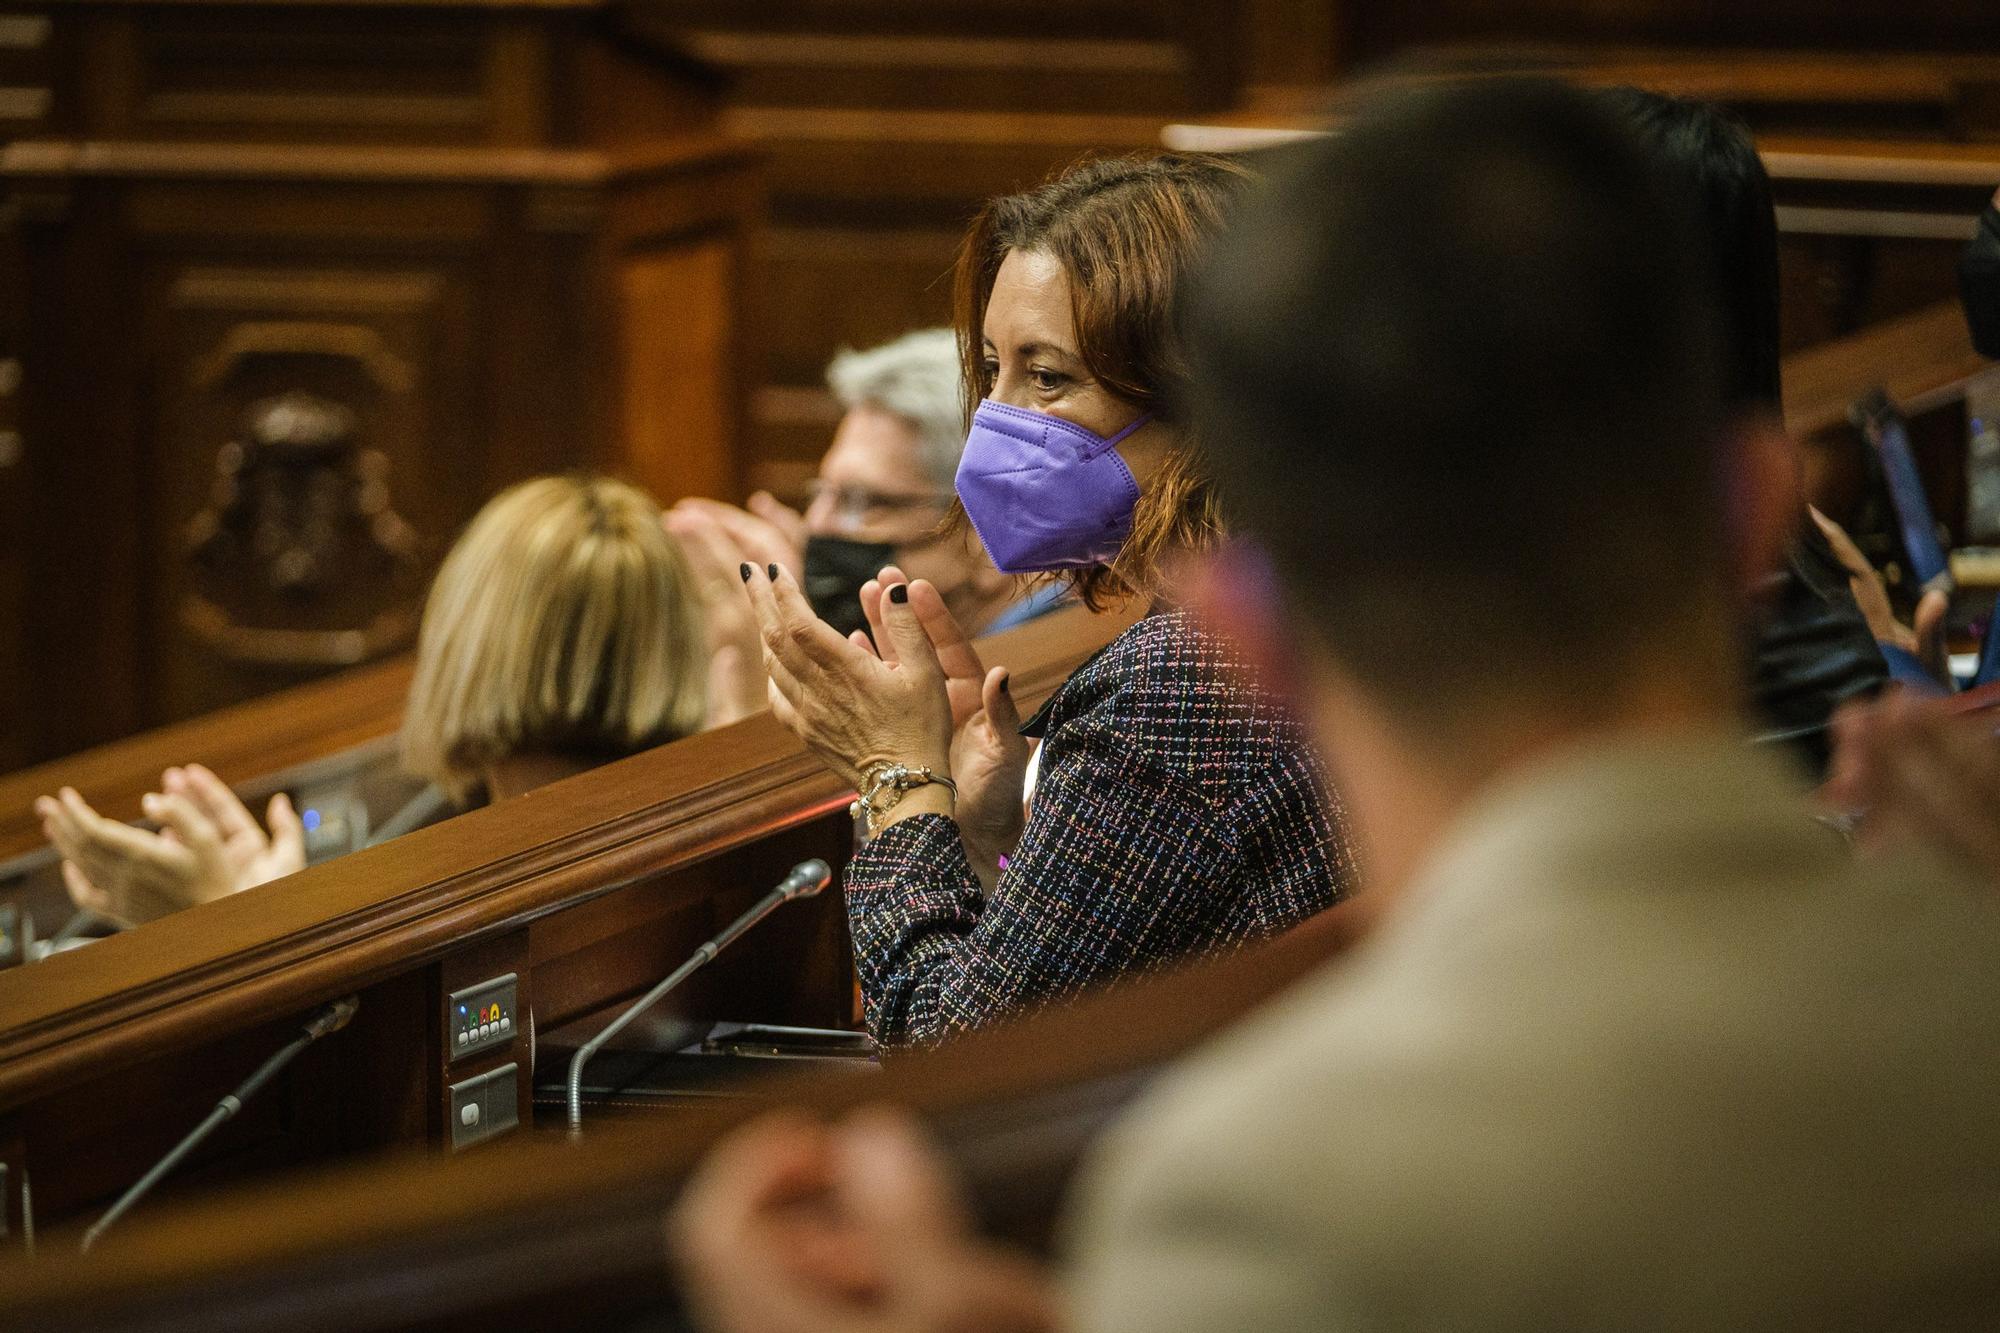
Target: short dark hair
(1709, 153)
(1460, 366)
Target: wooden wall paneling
(14, 508)
(376, 1089)
(1836, 284)
(539, 389)
(107, 73)
(14, 1193)
(624, 79)
(82, 464)
(243, 73)
(1215, 43)
(840, 164)
(274, 197)
(306, 408)
(1870, 230)
(1292, 44)
(518, 80)
(867, 284)
(676, 332)
(74, 1129)
(30, 65)
(1083, 19)
(678, 342)
(310, 301)
(1383, 27)
(971, 70)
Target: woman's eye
(1048, 381)
(989, 371)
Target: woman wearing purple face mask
(1178, 809)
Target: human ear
(1147, 449)
(1762, 472)
(1233, 590)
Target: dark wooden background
(499, 239)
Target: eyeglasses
(860, 507)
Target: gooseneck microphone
(806, 879)
(324, 1022)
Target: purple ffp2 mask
(1045, 493)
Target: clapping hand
(989, 756)
(736, 679)
(1923, 639)
(209, 847)
(767, 533)
(859, 711)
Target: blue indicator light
(311, 820)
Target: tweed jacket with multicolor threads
(1178, 811)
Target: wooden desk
(570, 1235)
(587, 890)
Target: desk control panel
(483, 1107)
(480, 1018)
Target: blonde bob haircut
(564, 621)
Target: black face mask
(1979, 284)
(836, 567)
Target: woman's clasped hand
(916, 695)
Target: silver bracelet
(886, 784)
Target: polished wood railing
(586, 890)
(248, 746)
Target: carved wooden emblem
(299, 558)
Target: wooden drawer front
(291, 74)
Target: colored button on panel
(477, 1012)
(468, 1114)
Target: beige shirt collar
(1594, 812)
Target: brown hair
(1125, 230)
(563, 620)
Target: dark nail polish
(745, 571)
(772, 570)
(900, 593)
(1006, 684)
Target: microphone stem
(225, 1110)
(769, 903)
